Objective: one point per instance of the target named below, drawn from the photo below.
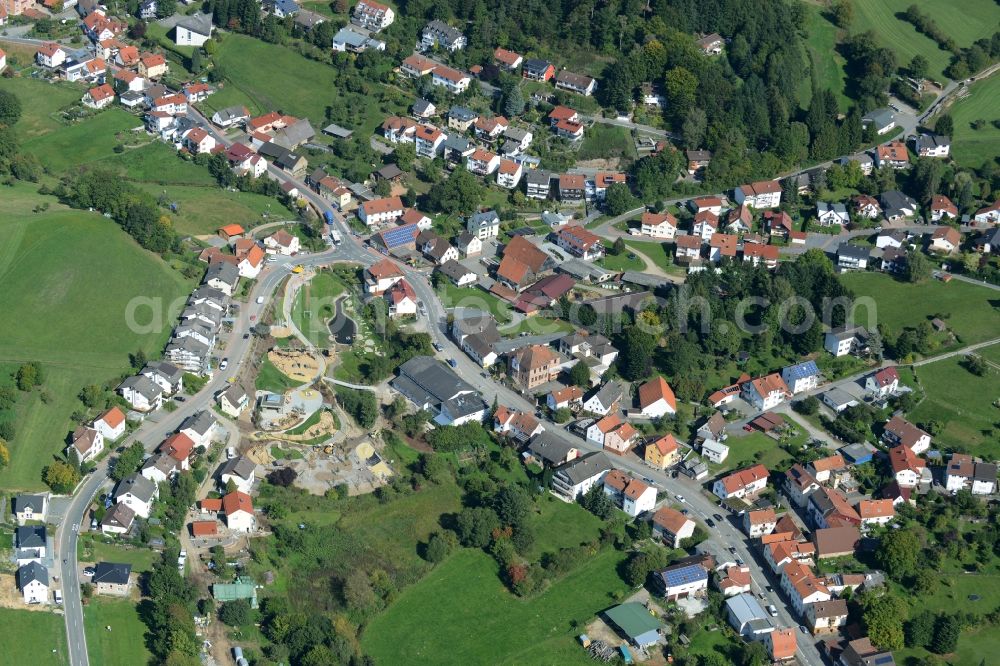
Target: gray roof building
(460, 113)
(34, 502)
(224, 272)
(201, 423)
(30, 536)
(746, 615)
(136, 485)
(931, 142)
(430, 384)
(550, 449)
(144, 386)
(31, 572)
(579, 470)
(240, 466)
(112, 573)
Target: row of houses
(537, 69)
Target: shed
(337, 131)
(856, 454)
(243, 588)
(635, 622)
(203, 528)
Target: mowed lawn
(40, 104)
(125, 643)
(461, 613)
(68, 278)
(962, 403)
(971, 147)
(313, 306)
(827, 65)
(83, 142)
(33, 637)
(964, 21)
(158, 163)
(972, 313)
(267, 77)
(201, 210)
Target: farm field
(83, 142)
(61, 310)
(201, 210)
(125, 642)
(965, 22)
(971, 147)
(431, 624)
(970, 313)
(962, 403)
(23, 632)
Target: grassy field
(40, 103)
(313, 306)
(473, 298)
(202, 210)
(125, 642)
(68, 278)
(431, 624)
(33, 637)
(80, 143)
(962, 403)
(141, 559)
(755, 447)
(972, 147)
(622, 262)
(257, 74)
(159, 163)
(970, 312)
(606, 141)
(827, 66)
(271, 379)
(965, 22)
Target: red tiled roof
(236, 501)
(671, 520)
(204, 527)
(654, 390)
(114, 417)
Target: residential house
(238, 510)
(899, 431)
(803, 587)
(507, 59)
(241, 471)
(284, 159)
(824, 616)
(233, 401)
(711, 44)
(572, 187)
(380, 276)
(281, 8)
(698, 160)
(932, 145)
(892, 154)
(533, 366)
(714, 427)
(461, 118)
(714, 452)
(99, 97)
(188, 353)
(828, 507)
(159, 467)
(629, 494)
(662, 452)
(283, 243)
(800, 484)
(452, 80)
(881, 119)
(351, 40)
(605, 399)
(402, 299)
(722, 246)
(229, 116)
(137, 492)
(851, 257)
(781, 645)
(118, 520)
(828, 469)
(113, 579)
(141, 393)
(33, 581)
(656, 398)
(380, 211)
(435, 248)
(613, 434)
(428, 141)
(758, 523)
(416, 66)
(845, 340)
(197, 141)
(550, 450)
(760, 255)
(484, 225)
(509, 174)
(517, 140)
(537, 184)
(672, 526)
(576, 477)
(876, 512)
(570, 397)
(522, 264)
(534, 69)
(520, 426)
(945, 239)
(882, 383)
(688, 249)
(31, 544)
(765, 392)
(680, 580)
(702, 204)
(942, 207)
(578, 83)
(988, 214)
(152, 66)
(832, 214)
(482, 162)
(490, 129)
(761, 194)
(567, 129)
(438, 33)
(733, 579)
(178, 446)
(372, 15)
(658, 225)
(897, 206)
(50, 55)
(433, 386)
(836, 541)
(704, 225)
(866, 206)
(907, 468)
(579, 241)
(742, 483)
(801, 376)
(193, 30)
(30, 508)
(457, 273)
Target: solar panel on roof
(885, 659)
(806, 369)
(399, 235)
(685, 575)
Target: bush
(236, 613)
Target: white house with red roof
(402, 299)
(179, 447)
(482, 162)
(380, 276)
(380, 211)
(883, 382)
(428, 141)
(760, 194)
(50, 55)
(988, 215)
(765, 392)
(283, 243)
(238, 509)
(907, 468)
(899, 431)
(99, 97)
(876, 512)
(704, 225)
(742, 483)
(452, 80)
(570, 397)
(580, 242)
(656, 398)
(509, 174)
(507, 59)
(111, 424)
(373, 16)
(87, 444)
(629, 494)
(758, 523)
(671, 526)
(658, 225)
(942, 207)
(612, 433)
(198, 141)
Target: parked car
(718, 517)
(224, 364)
(88, 571)
(437, 347)
(452, 362)
(772, 610)
(710, 522)
(680, 498)
(58, 596)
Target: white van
(260, 300)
